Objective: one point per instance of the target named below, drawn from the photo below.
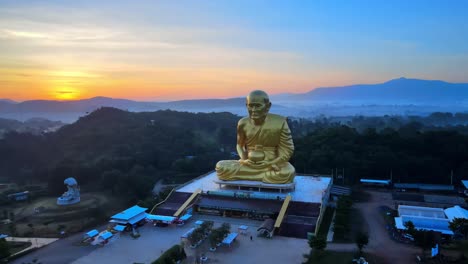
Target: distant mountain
(4, 100)
(86, 105)
(394, 92)
(395, 97)
(232, 105)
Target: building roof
(374, 181)
(309, 189)
(228, 240)
(268, 225)
(423, 186)
(340, 190)
(185, 217)
(456, 212)
(428, 212)
(119, 228)
(465, 183)
(129, 213)
(92, 233)
(424, 223)
(160, 218)
(188, 233)
(105, 235)
(429, 218)
(137, 218)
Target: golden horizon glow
(69, 50)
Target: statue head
(258, 104)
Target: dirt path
(380, 242)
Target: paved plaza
(155, 240)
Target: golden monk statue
(264, 144)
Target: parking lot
(155, 240)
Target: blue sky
(200, 49)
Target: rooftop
(129, 213)
(456, 212)
(423, 186)
(308, 188)
(465, 183)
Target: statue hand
(275, 167)
(246, 162)
(256, 165)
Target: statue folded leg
(232, 170)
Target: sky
(172, 50)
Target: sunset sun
(66, 94)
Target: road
(36, 242)
(64, 250)
(380, 242)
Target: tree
(216, 237)
(196, 236)
(410, 229)
(459, 226)
(362, 239)
(424, 239)
(318, 245)
(4, 249)
(31, 225)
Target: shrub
(171, 256)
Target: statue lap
(232, 170)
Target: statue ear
(269, 105)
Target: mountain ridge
(396, 96)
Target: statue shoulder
(276, 118)
(243, 121)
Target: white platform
(257, 185)
(307, 188)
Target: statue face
(257, 107)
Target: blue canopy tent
(230, 238)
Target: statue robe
(275, 138)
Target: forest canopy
(125, 152)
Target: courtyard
(155, 240)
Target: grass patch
(326, 222)
(18, 246)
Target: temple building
(296, 208)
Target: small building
(90, 235)
(104, 237)
(456, 212)
(119, 228)
(160, 219)
(131, 216)
(429, 218)
(375, 182)
(20, 196)
(229, 239)
(424, 187)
